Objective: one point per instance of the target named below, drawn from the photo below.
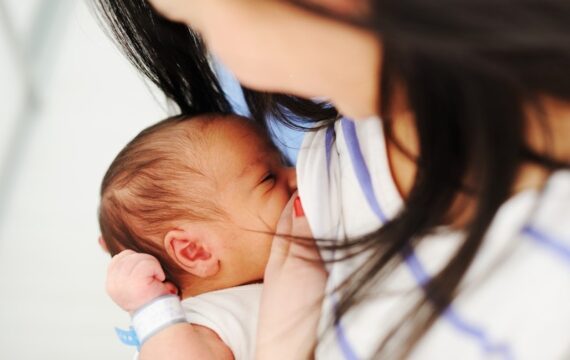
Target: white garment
(231, 313)
(515, 302)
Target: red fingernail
(298, 207)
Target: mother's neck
(547, 134)
(548, 129)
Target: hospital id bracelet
(157, 315)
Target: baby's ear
(191, 251)
(102, 244)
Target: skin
(249, 183)
(279, 67)
(251, 187)
(354, 90)
(133, 280)
(343, 7)
(289, 263)
(306, 62)
(291, 301)
(288, 323)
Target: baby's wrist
(143, 301)
(156, 315)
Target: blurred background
(70, 101)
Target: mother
(450, 215)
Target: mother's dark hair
(470, 70)
(175, 59)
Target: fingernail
(298, 207)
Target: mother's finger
(302, 245)
(281, 244)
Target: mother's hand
(293, 291)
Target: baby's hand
(134, 279)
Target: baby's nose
(291, 175)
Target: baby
(191, 205)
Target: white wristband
(157, 315)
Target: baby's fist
(134, 279)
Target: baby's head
(202, 195)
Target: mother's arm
(275, 46)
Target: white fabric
(157, 315)
(515, 302)
(231, 313)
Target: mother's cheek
(343, 7)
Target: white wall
(11, 89)
(53, 304)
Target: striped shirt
(515, 298)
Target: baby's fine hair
(154, 184)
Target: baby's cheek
(279, 205)
(274, 205)
(262, 251)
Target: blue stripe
(549, 242)
(488, 346)
(422, 277)
(360, 168)
(416, 268)
(329, 141)
(343, 342)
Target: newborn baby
(195, 202)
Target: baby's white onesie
(231, 313)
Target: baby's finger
(172, 289)
(147, 268)
(155, 268)
(158, 272)
(156, 289)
